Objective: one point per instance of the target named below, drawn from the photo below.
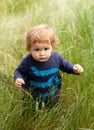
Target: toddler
(39, 71)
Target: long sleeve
(64, 65)
(21, 70)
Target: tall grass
(73, 22)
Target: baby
(40, 70)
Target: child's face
(41, 51)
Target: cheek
(36, 55)
(33, 54)
(50, 52)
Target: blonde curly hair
(40, 34)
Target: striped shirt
(43, 77)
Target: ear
(28, 49)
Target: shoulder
(56, 55)
(26, 60)
(56, 58)
(27, 57)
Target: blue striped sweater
(43, 77)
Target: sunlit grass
(73, 22)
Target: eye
(46, 49)
(36, 49)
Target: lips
(43, 59)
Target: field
(73, 23)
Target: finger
(22, 81)
(81, 70)
(18, 85)
(75, 68)
(19, 82)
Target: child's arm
(78, 69)
(68, 67)
(21, 73)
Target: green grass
(73, 22)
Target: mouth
(43, 59)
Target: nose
(42, 52)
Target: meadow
(73, 23)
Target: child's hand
(19, 82)
(78, 69)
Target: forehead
(41, 45)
